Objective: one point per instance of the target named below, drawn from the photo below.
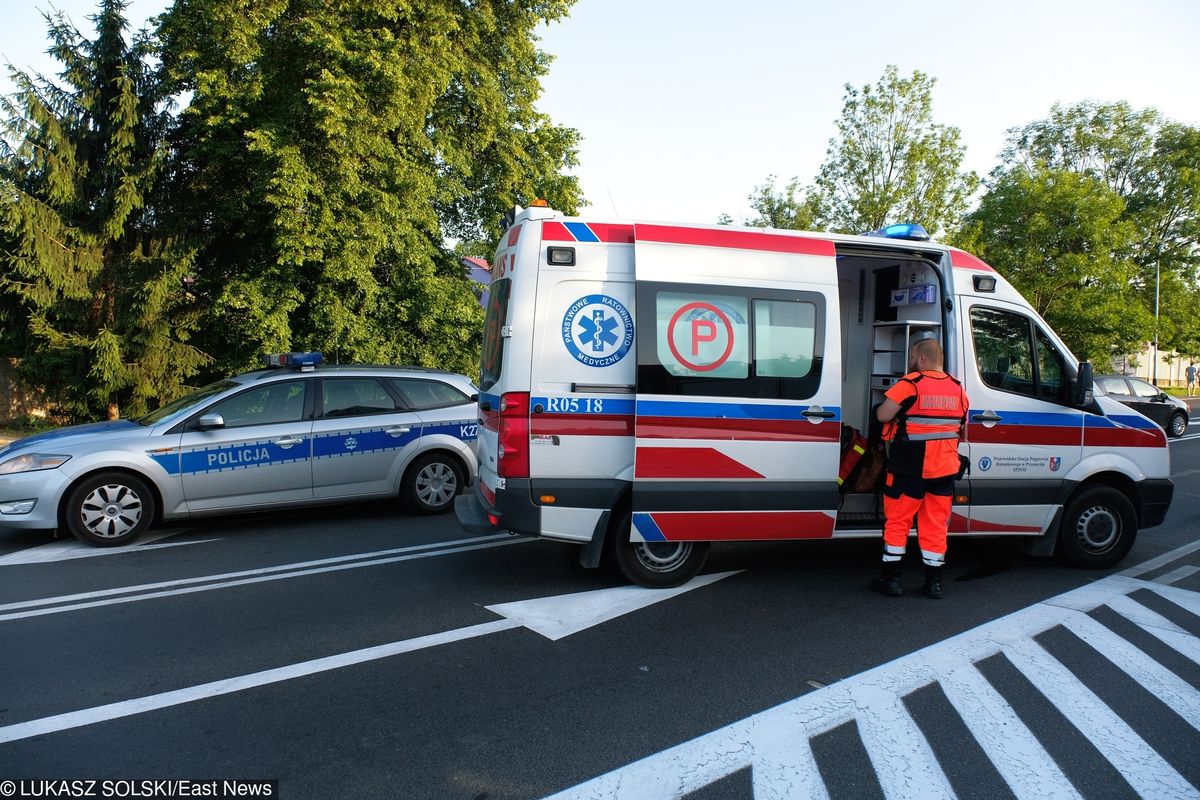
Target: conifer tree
(85, 251)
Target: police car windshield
(185, 403)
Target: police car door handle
(397, 431)
(288, 441)
(817, 412)
(986, 416)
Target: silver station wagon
(293, 434)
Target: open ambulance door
(738, 412)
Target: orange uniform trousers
(929, 499)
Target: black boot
(888, 581)
(933, 583)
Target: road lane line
(127, 708)
(1159, 561)
(74, 549)
(1175, 576)
(68, 598)
(41, 612)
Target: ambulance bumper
(514, 511)
(1156, 499)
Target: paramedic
(923, 415)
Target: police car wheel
(432, 482)
(656, 565)
(1098, 528)
(110, 509)
(1178, 424)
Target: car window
(1114, 386)
(1050, 369)
(1143, 389)
(185, 404)
(351, 397)
(422, 394)
(269, 404)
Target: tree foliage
(888, 162)
(1061, 239)
(329, 149)
(1153, 165)
(88, 270)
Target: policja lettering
(234, 458)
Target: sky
(685, 106)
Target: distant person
(927, 410)
(1190, 374)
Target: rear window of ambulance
(493, 342)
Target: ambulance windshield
(493, 341)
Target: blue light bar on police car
(301, 360)
(909, 230)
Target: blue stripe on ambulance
(581, 231)
(1032, 418)
(648, 528)
(583, 405)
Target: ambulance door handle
(809, 412)
(986, 416)
(397, 431)
(288, 441)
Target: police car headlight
(32, 462)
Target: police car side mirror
(208, 422)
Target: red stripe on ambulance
(726, 526)
(688, 462)
(583, 424)
(737, 240)
(737, 430)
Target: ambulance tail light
(513, 435)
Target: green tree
(795, 207)
(1059, 236)
(1153, 164)
(891, 162)
(97, 278)
(330, 149)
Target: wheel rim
(111, 511)
(436, 484)
(662, 557)
(1178, 425)
(1098, 529)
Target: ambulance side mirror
(1084, 385)
(208, 422)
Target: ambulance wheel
(109, 509)
(1178, 424)
(432, 482)
(1098, 528)
(655, 565)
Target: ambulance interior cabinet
(889, 357)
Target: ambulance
(648, 389)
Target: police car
(295, 433)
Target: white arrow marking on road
(65, 551)
(560, 616)
(556, 617)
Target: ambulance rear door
(738, 409)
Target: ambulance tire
(655, 565)
(109, 509)
(1098, 528)
(432, 482)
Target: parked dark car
(1146, 398)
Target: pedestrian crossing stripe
(776, 744)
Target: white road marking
(278, 576)
(1175, 576)
(604, 608)
(1185, 438)
(299, 565)
(776, 741)
(1160, 561)
(66, 551)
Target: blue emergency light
(305, 361)
(908, 230)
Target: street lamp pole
(1154, 369)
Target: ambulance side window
(1014, 355)
(493, 342)
(729, 341)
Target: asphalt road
(368, 664)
